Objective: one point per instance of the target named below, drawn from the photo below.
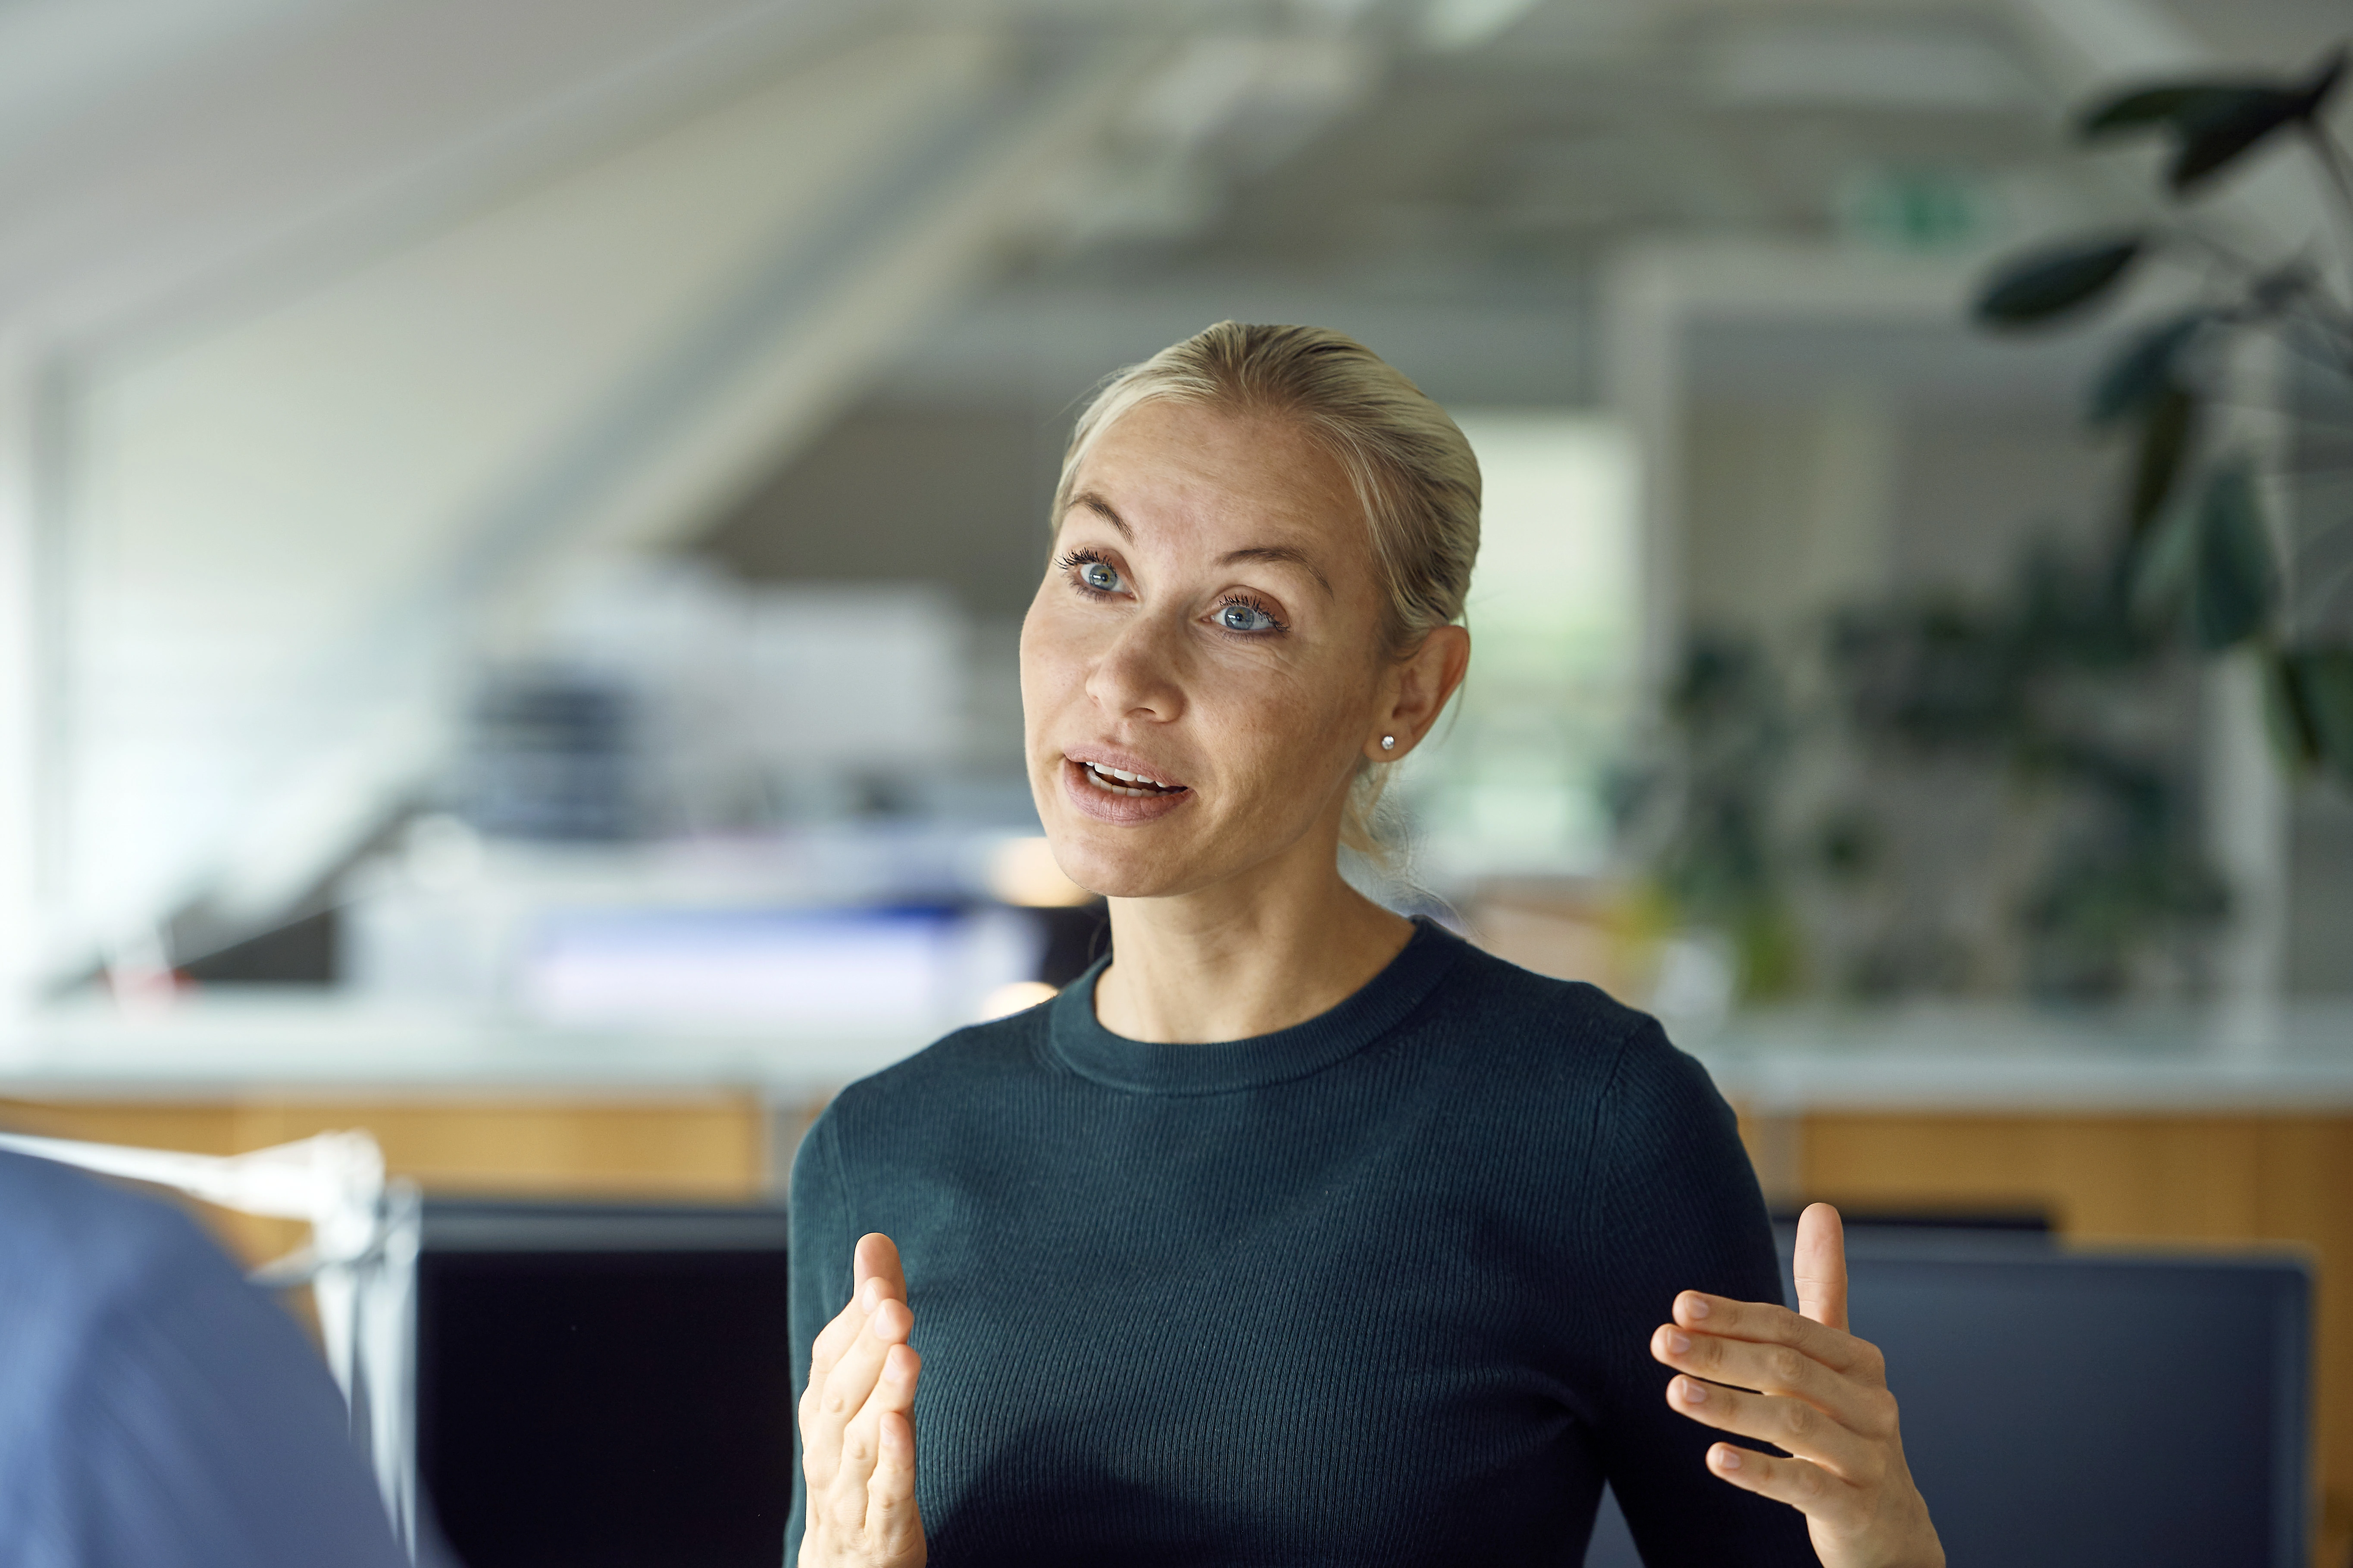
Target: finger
(1807, 1488)
(835, 1337)
(1861, 1405)
(862, 1439)
(877, 1258)
(1771, 1324)
(845, 1390)
(1791, 1423)
(1820, 1266)
(826, 1350)
(891, 1515)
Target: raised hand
(1820, 1395)
(857, 1420)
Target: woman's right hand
(858, 1432)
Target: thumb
(1820, 1266)
(877, 1258)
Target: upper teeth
(1105, 772)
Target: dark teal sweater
(1374, 1289)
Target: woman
(1297, 1232)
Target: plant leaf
(2325, 80)
(2165, 433)
(2285, 713)
(2156, 567)
(2051, 282)
(2322, 682)
(2143, 369)
(2141, 108)
(2235, 580)
(2218, 132)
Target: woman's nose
(1137, 676)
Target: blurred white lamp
(360, 1266)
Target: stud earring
(1388, 742)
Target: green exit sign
(1917, 209)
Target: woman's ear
(1417, 688)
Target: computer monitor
(604, 1386)
(2064, 1407)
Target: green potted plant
(2195, 543)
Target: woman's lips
(1121, 802)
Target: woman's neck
(1245, 958)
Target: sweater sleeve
(824, 1247)
(1679, 1211)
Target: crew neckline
(1146, 1066)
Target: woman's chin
(1115, 870)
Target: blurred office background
(515, 517)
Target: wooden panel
(2204, 1179)
(711, 1148)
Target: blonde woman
(1296, 1232)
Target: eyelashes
(1081, 566)
(1274, 623)
(1073, 565)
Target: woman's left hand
(1820, 1395)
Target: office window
(1515, 784)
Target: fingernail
(1727, 1459)
(870, 1295)
(1698, 1308)
(1677, 1344)
(1694, 1392)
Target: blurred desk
(1996, 1059)
(2170, 1127)
(271, 1038)
(463, 1102)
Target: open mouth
(1114, 781)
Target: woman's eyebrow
(1102, 509)
(1277, 552)
(1282, 553)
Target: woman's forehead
(1167, 467)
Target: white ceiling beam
(315, 144)
(666, 452)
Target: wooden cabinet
(707, 1145)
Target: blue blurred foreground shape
(156, 1410)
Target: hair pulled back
(1413, 472)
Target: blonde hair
(1413, 473)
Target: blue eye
(1091, 572)
(1239, 616)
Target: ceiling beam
(668, 450)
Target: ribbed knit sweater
(1374, 1289)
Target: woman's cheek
(1281, 739)
(1050, 667)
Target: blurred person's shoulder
(69, 1241)
(154, 1407)
(82, 1263)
